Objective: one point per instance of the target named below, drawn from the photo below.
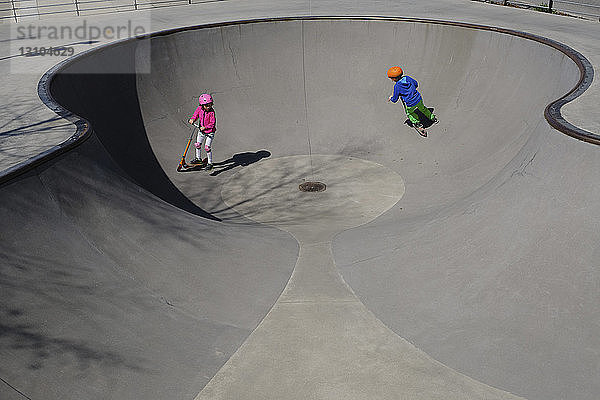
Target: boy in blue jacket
(406, 88)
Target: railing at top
(585, 8)
(18, 10)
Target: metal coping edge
(83, 128)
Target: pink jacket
(207, 119)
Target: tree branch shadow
(16, 335)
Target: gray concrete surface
(464, 265)
(29, 128)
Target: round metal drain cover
(312, 187)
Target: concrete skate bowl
(155, 278)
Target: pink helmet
(205, 99)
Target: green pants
(411, 112)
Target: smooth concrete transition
(319, 341)
(459, 266)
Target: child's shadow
(239, 160)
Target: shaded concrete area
(463, 265)
(104, 300)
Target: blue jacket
(407, 88)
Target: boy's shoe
(418, 125)
(196, 161)
(208, 167)
(435, 120)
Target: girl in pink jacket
(207, 125)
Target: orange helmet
(395, 72)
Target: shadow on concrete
(118, 124)
(240, 160)
(23, 336)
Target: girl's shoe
(196, 161)
(208, 167)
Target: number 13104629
(46, 51)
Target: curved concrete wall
(278, 86)
(463, 266)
